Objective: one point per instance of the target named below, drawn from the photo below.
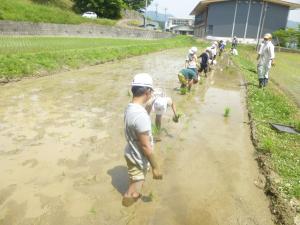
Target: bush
(287, 38)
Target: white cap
(142, 80)
(193, 50)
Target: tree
(103, 8)
(137, 4)
(287, 38)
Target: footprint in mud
(31, 162)
(6, 192)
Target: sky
(182, 8)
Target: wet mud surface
(62, 141)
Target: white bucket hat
(142, 80)
(193, 50)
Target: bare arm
(146, 146)
(149, 105)
(174, 109)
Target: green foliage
(25, 56)
(22, 10)
(287, 37)
(226, 112)
(103, 8)
(272, 105)
(137, 4)
(63, 4)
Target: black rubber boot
(266, 82)
(261, 82)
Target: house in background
(246, 19)
(184, 26)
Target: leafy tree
(287, 37)
(103, 8)
(137, 4)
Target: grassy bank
(26, 10)
(274, 105)
(25, 56)
(285, 74)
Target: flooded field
(62, 141)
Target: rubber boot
(261, 82)
(266, 82)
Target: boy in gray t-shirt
(139, 149)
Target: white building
(183, 26)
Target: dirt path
(62, 144)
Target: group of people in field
(198, 66)
(139, 154)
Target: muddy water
(62, 142)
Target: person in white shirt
(191, 59)
(159, 104)
(265, 59)
(138, 132)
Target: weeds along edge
(282, 211)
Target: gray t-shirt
(136, 121)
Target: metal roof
(203, 3)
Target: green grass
(26, 10)
(273, 105)
(25, 56)
(226, 112)
(286, 72)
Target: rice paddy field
(26, 56)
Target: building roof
(203, 3)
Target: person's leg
(205, 71)
(266, 78)
(158, 121)
(260, 73)
(136, 181)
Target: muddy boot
(266, 82)
(261, 82)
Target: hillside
(59, 11)
(159, 17)
(292, 24)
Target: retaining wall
(86, 30)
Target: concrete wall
(221, 16)
(27, 28)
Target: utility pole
(146, 14)
(166, 14)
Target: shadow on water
(119, 178)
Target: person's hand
(157, 175)
(273, 63)
(176, 118)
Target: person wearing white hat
(191, 59)
(159, 104)
(265, 59)
(138, 133)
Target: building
(246, 19)
(183, 26)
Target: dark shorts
(203, 68)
